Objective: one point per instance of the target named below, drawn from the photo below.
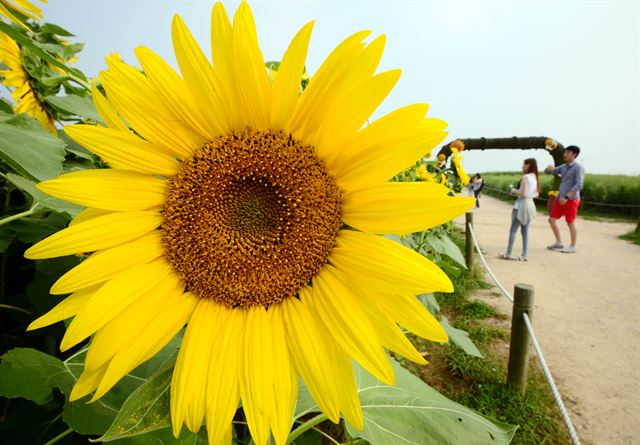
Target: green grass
(633, 236)
(606, 189)
(479, 383)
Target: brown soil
(586, 315)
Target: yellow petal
(87, 214)
(175, 92)
(348, 324)
(308, 346)
(411, 314)
(168, 322)
(375, 262)
(123, 150)
(87, 383)
(106, 111)
(222, 58)
(198, 75)
(189, 382)
(67, 308)
(132, 94)
(127, 326)
(380, 152)
(401, 207)
(286, 87)
(388, 331)
(105, 264)
(256, 374)
(309, 109)
(223, 393)
(351, 113)
(108, 189)
(249, 70)
(112, 298)
(98, 233)
(285, 383)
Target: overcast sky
(563, 69)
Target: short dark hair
(574, 148)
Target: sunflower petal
(249, 70)
(123, 150)
(379, 152)
(87, 214)
(108, 189)
(175, 92)
(167, 323)
(106, 111)
(401, 207)
(374, 262)
(285, 383)
(87, 383)
(348, 324)
(112, 298)
(98, 233)
(256, 374)
(286, 86)
(223, 393)
(310, 352)
(67, 308)
(189, 383)
(198, 75)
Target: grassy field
(603, 194)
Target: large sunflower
(251, 213)
(17, 78)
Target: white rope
(552, 384)
(486, 266)
(534, 341)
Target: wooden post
(468, 242)
(519, 346)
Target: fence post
(468, 242)
(519, 346)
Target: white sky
(564, 69)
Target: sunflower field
(228, 253)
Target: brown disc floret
(250, 218)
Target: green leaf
(442, 244)
(146, 409)
(6, 106)
(32, 229)
(41, 49)
(414, 413)
(75, 105)
(165, 437)
(460, 338)
(33, 375)
(74, 148)
(29, 149)
(41, 199)
(430, 302)
(56, 30)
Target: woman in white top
(524, 209)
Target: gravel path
(586, 315)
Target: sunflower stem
(8, 219)
(13, 308)
(59, 437)
(305, 427)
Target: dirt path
(586, 315)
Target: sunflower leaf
(414, 413)
(29, 149)
(146, 409)
(75, 105)
(460, 338)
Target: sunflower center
(250, 218)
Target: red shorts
(569, 210)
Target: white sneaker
(570, 249)
(556, 246)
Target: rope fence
(518, 361)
